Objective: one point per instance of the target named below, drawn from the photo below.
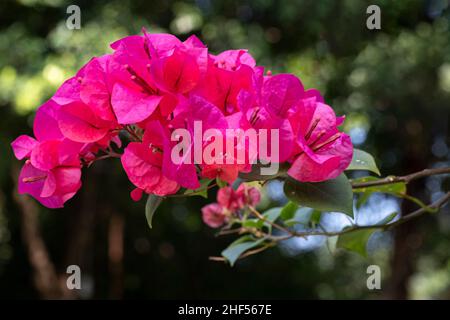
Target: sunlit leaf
(252, 223)
(237, 248)
(332, 195)
(314, 220)
(393, 188)
(397, 189)
(288, 211)
(363, 161)
(302, 216)
(271, 215)
(356, 241)
(387, 219)
(331, 243)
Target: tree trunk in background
(115, 255)
(46, 281)
(81, 230)
(407, 240)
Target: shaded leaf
(221, 183)
(332, 195)
(202, 191)
(153, 202)
(255, 173)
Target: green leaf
(237, 248)
(271, 215)
(288, 211)
(362, 199)
(314, 220)
(392, 188)
(397, 189)
(153, 202)
(331, 244)
(302, 216)
(356, 241)
(387, 219)
(252, 223)
(363, 161)
(255, 173)
(221, 183)
(202, 191)
(332, 195)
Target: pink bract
(154, 84)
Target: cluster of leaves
(307, 202)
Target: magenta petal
(49, 186)
(194, 42)
(137, 164)
(213, 215)
(136, 194)
(22, 146)
(35, 188)
(281, 93)
(132, 106)
(185, 174)
(68, 92)
(313, 93)
(211, 116)
(77, 122)
(177, 73)
(165, 186)
(68, 179)
(232, 59)
(94, 90)
(161, 44)
(327, 164)
(46, 123)
(45, 156)
(130, 51)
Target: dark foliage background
(392, 84)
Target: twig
(273, 224)
(436, 206)
(133, 134)
(406, 179)
(247, 253)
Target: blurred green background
(392, 84)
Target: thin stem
(247, 253)
(273, 224)
(133, 134)
(194, 193)
(434, 206)
(406, 179)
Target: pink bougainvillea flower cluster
(153, 84)
(229, 202)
